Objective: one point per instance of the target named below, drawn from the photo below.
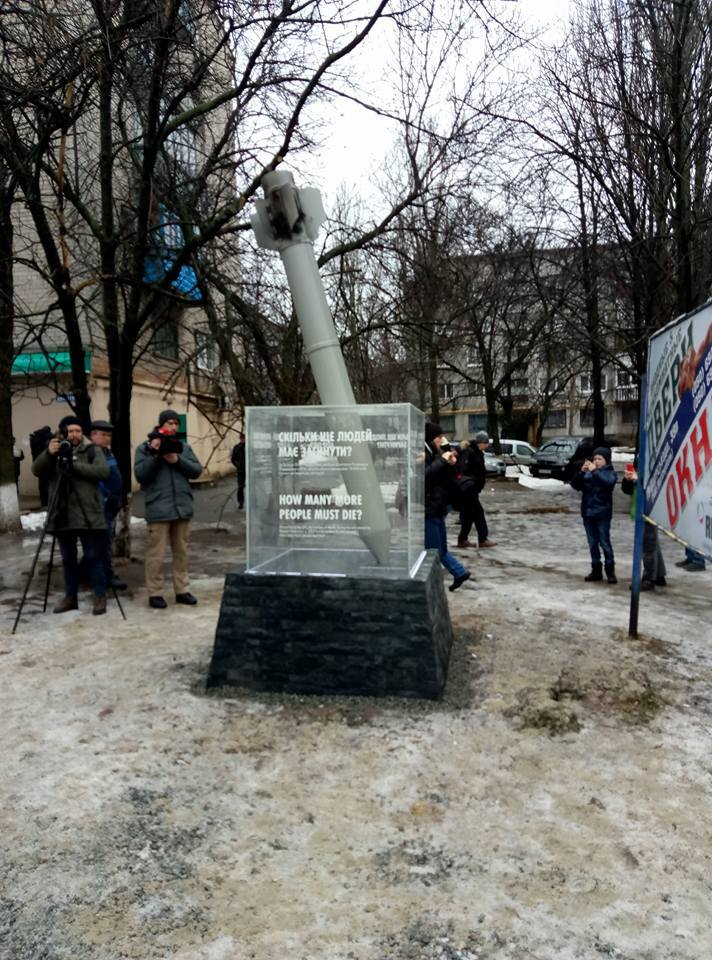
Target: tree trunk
(9, 506)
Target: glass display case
(335, 491)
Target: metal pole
(288, 221)
(639, 510)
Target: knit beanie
(432, 430)
(168, 415)
(604, 452)
(481, 437)
(69, 421)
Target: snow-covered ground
(554, 806)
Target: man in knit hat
(596, 480)
(74, 468)
(440, 471)
(164, 466)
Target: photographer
(75, 468)
(111, 490)
(164, 466)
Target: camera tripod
(57, 500)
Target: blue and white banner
(678, 475)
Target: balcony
(627, 393)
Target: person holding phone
(596, 480)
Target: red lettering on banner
(673, 507)
(701, 446)
(684, 477)
(680, 484)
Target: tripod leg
(116, 597)
(30, 575)
(49, 574)
(54, 499)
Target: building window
(586, 383)
(624, 378)
(549, 385)
(586, 416)
(448, 424)
(555, 418)
(446, 391)
(629, 413)
(205, 352)
(477, 421)
(164, 340)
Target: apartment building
(93, 191)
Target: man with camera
(75, 468)
(101, 434)
(164, 466)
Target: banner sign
(678, 475)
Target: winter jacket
(77, 505)
(596, 487)
(166, 489)
(471, 463)
(439, 478)
(237, 458)
(112, 488)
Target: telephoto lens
(65, 450)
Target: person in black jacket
(471, 463)
(440, 473)
(596, 480)
(237, 458)
(39, 440)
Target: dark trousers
(92, 542)
(473, 512)
(598, 532)
(106, 547)
(240, 491)
(653, 563)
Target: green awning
(52, 362)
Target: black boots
(596, 574)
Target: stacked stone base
(334, 635)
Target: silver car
(494, 466)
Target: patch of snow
(34, 521)
(514, 471)
(538, 483)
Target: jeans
(93, 548)
(436, 539)
(692, 556)
(598, 532)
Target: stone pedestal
(335, 635)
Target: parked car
(515, 451)
(556, 458)
(494, 466)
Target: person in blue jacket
(596, 480)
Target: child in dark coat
(596, 480)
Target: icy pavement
(555, 805)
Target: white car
(515, 451)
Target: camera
(444, 446)
(64, 455)
(169, 442)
